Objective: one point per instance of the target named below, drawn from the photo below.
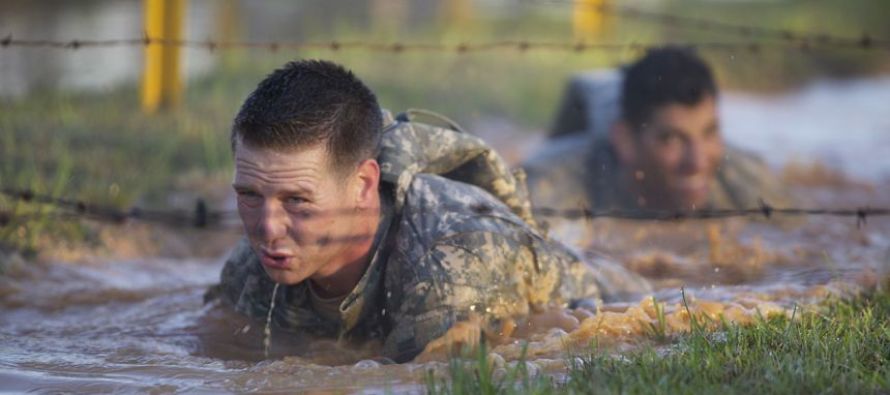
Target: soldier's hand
(464, 336)
(547, 319)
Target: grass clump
(844, 347)
(99, 149)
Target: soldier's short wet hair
(310, 102)
(665, 75)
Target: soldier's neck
(341, 278)
(641, 194)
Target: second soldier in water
(646, 138)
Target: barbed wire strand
(459, 48)
(202, 217)
(804, 41)
(199, 217)
(748, 31)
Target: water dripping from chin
(267, 332)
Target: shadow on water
(140, 324)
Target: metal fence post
(161, 82)
(588, 18)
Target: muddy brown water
(139, 325)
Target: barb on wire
(793, 38)
(806, 39)
(668, 215)
(203, 217)
(458, 49)
(199, 218)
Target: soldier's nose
(272, 224)
(694, 158)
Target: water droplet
(366, 364)
(267, 334)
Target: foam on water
(141, 326)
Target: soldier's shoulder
(749, 178)
(738, 156)
(590, 104)
(746, 166)
(557, 175)
(558, 155)
(439, 205)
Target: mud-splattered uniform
(444, 249)
(578, 167)
(583, 172)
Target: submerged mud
(140, 324)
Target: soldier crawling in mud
(392, 233)
(647, 138)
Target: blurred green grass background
(98, 146)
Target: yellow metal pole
(161, 83)
(588, 20)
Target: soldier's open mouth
(275, 261)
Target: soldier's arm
(447, 289)
(477, 278)
(748, 179)
(421, 320)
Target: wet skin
(304, 219)
(672, 160)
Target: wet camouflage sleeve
(452, 260)
(409, 149)
(461, 243)
(578, 171)
(745, 179)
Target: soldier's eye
(293, 201)
(297, 207)
(669, 138)
(249, 198)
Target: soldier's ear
(366, 181)
(623, 140)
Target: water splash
(267, 333)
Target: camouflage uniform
(580, 169)
(444, 249)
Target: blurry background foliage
(71, 125)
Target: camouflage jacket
(448, 249)
(582, 171)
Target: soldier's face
(293, 207)
(678, 153)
